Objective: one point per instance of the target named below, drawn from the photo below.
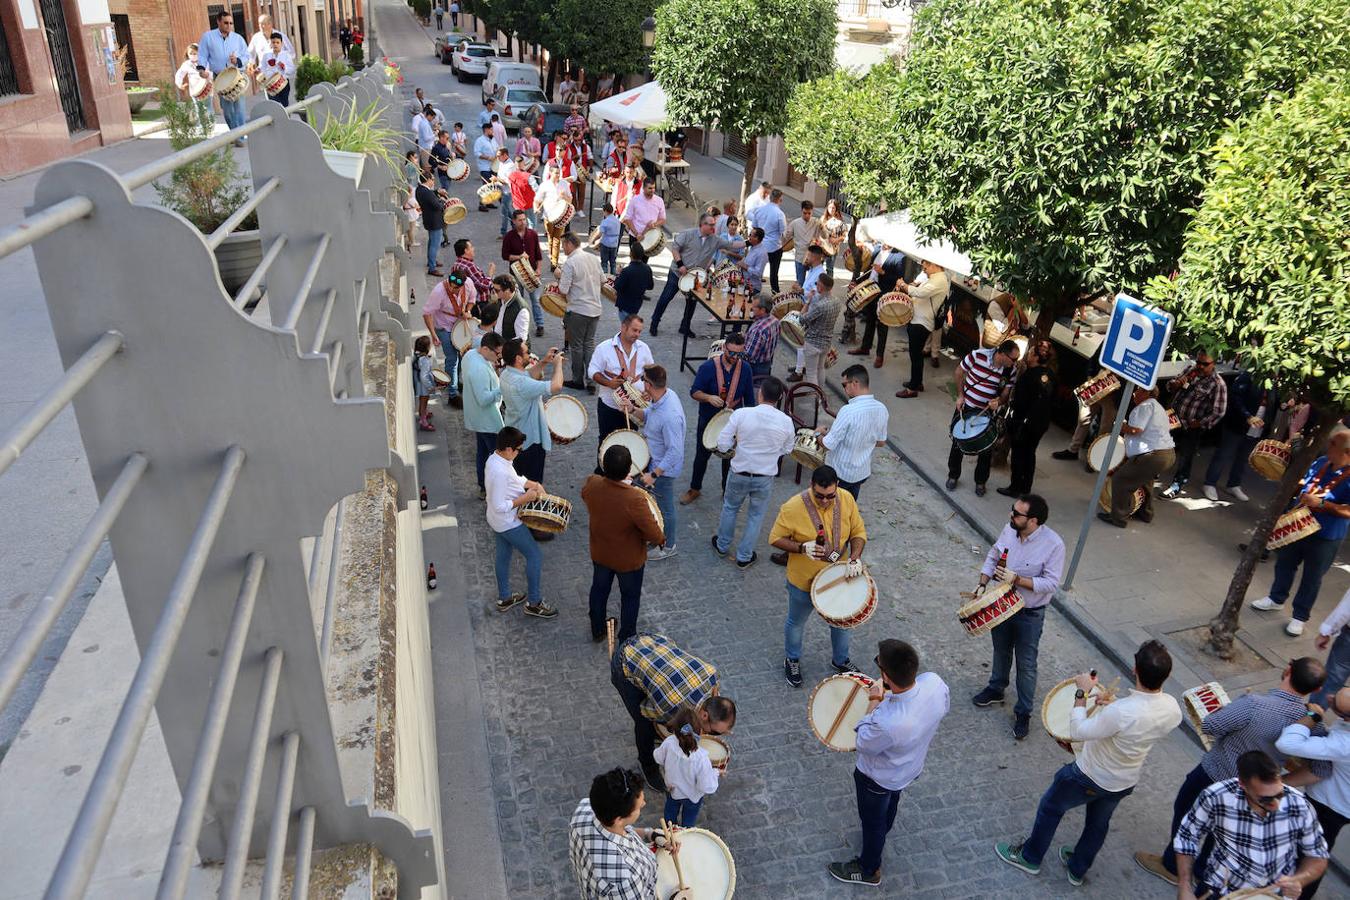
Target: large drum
(457, 169)
(200, 88)
(866, 251)
(1294, 525)
(558, 211)
(231, 84)
(995, 606)
(974, 434)
(694, 281)
(1058, 704)
(1270, 458)
(861, 294)
(489, 194)
(461, 336)
(1096, 458)
(836, 707)
(554, 301)
(522, 269)
(719, 751)
(549, 514)
(786, 302)
(713, 431)
(455, 211)
(843, 602)
(653, 241)
(807, 449)
(792, 331)
(636, 444)
(1136, 501)
(705, 862)
(1096, 389)
(607, 289)
(566, 418)
(1199, 702)
(895, 310)
(273, 84)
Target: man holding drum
(580, 281)
(761, 435)
(644, 212)
(483, 399)
(622, 525)
(983, 384)
(693, 248)
(904, 709)
(663, 426)
(815, 529)
(619, 359)
(552, 192)
(522, 241)
(447, 305)
(722, 382)
(523, 395)
(1115, 743)
(761, 340)
(610, 858)
(859, 429)
(1030, 556)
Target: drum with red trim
(995, 606)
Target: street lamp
(648, 33)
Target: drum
(489, 194)
(656, 511)
(836, 707)
(705, 862)
(719, 752)
(1096, 458)
(604, 183)
(1294, 525)
(607, 289)
(694, 280)
(633, 394)
(230, 84)
(786, 302)
(789, 243)
(807, 449)
(566, 418)
(841, 601)
(1096, 389)
(558, 211)
(861, 294)
(653, 241)
(441, 377)
(455, 211)
(457, 169)
(461, 336)
(721, 274)
(1136, 503)
(637, 446)
(553, 300)
(1059, 703)
(895, 310)
(522, 269)
(274, 84)
(200, 88)
(1270, 458)
(866, 251)
(974, 434)
(1261, 893)
(713, 431)
(995, 606)
(549, 514)
(1199, 702)
(674, 154)
(831, 359)
(792, 331)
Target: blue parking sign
(1136, 340)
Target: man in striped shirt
(983, 383)
(858, 430)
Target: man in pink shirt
(645, 211)
(449, 302)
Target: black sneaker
(845, 666)
(540, 610)
(506, 603)
(1021, 723)
(716, 549)
(792, 671)
(951, 484)
(1064, 454)
(987, 697)
(654, 778)
(754, 557)
(653, 330)
(851, 873)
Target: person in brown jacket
(623, 523)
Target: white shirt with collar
(862, 423)
(422, 130)
(761, 434)
(1117, 738)
(611, 359)
(581, 280)
(1338, 619)
(1157, 431)
(503, 486)
(522, 318)
(1296, 740)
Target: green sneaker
(1066, 854)
(1012, 855)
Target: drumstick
(609, 630)
(829, 584)
(669, 828)
(839, 717)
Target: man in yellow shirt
(815, 528)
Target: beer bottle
(431, 577)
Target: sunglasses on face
(823, 498)
(1267, 802)
(1014, 514)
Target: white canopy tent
(641, 107)
(896, 230)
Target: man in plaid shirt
(654, 679)
(1263, 833)
(464, 263)
(609, 856)
(1199, 398)
(761, 341)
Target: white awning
(896, 230)
(641, 107)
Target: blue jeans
(1338, 669)
(609, 259)
(1194, 785)
(1070, 789)
(799, 610)
(762, 370)
(667, 294)
(452, 366)
(664, 491)
(1316, 556)
(801, 271)
(630, 597)
(755, 488)
(433, 246)
(486, 442)
(853, 487)
(1020, 635)
(682, 812)
(876, 810)
(520, 539)
(1234, 448)
(233, 111)
(507, 209)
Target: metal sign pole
(1127, 388)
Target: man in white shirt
(619, 359)
(1330, 797)
(484, 152)
(1149, 451)
(757, 199)
(859, 428)
(425, 134)
(804, 231)
(1335, 632)
(276, 60)
(513, 313)
(1115, 743)
(928, 298)
(261, 43)
(904, 709)
(581, 281)
(760, 435)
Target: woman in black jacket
(1032, 400)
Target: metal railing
(206, 494)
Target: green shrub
(207, 190)
(356, 55)
(310, 71)
(422, 8)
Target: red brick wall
(161, 31)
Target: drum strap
(627, 363)
(1318, 481)
(456, 297)
(722, 390)
(836, 543)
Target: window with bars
(9, 77)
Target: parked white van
(504, 73)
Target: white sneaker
(1209, 492)
(656, 553)
(1265, 604)
(1239, 494)
(1294, 628)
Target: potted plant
(137, 95)
(356, 55)
(351, 140)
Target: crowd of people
(266, 63)
(1266, 802)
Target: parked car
(445, 48)
(546, 118)
(514, 104)
(505, 73)
(471, 58)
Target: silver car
(471, 58)
(514, 103)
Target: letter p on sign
(1136, 341)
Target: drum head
(692, 276)
(706, 863)
(1058, 704)
(455, 212)
(636, 444)
(895, 310)
(714, 429)
(462, 334)
(970, 427)
(457, 169)
(718, 751)
(556, 207)
(1097, 453)
(838, 692)
(837, 598)
(652, 239)
(566, 417)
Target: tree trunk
(750, 163)
(1224, 625)
(853, 247)
(552, 75)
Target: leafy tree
(209, 189)
(1264, 273)
(736, 62)
(601, 38)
